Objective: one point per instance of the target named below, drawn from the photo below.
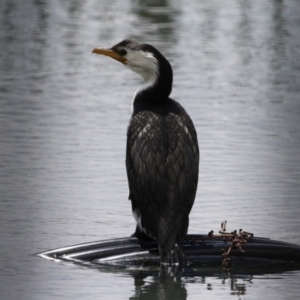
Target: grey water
(63, 118)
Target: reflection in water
(74, 11)
(152, 286)
(147, 287)
(156, 287)
(280, 31)
(155, 19)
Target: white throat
(144, 64)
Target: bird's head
(143, 59)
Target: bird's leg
(169, 258)
(173, 257)
(166, 258)
(178, 254)
(163, 258)
(169, 270)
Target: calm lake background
(63, 118)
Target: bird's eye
(122, 52)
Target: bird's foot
(167, 270)
(174, 257)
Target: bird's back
(162, 166)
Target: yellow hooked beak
(111, 54)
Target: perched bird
(162, 157)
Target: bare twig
(238, 241)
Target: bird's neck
(156, 88)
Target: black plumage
(162, 155)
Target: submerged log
(200, 250)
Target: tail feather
(170, 233)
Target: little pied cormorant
(162, 157)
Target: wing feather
(162, 167)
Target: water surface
(63, 119)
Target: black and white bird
(162, 156)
